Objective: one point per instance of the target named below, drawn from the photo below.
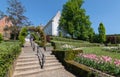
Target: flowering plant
(103, 63)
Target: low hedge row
(60, 45)
(78, 69)
(65, 39)
(8, 53)
(66, 57)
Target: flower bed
(103, 63)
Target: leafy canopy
(74, 21)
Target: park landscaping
(93, 55)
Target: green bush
(22, 40)
(8, 53)
(60, 45)
(35, 36)
(79, 69)
(66, 57)
(22, 35)
(1, 38)
(65, 39)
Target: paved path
(28, 65)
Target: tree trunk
(15, 36)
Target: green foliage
(102, 33)
(60, 34)
(42, 37)
(102, 66)
(66, 39)
(16, 15)
(16, 11)
(74, 21)
(35, 36)
(1, 38)
(71, 45)
(78, 69)
(8, 53)
(66, 57)
(70, 55)
(22, 35)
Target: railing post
(37, 50)
(41, 57)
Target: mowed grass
(99, 51)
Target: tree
(15, 11)
(74, 20)
(1, 14)
(102, 33)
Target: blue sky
(105, 11)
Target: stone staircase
(27, 64)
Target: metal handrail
(40, 54)
(41, 57)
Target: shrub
(8, 53)
(22, 35)
(65, 39)
(35, 36)
(1, 38)
(66, 57)
(60, 45)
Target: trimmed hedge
(8, 53)
(65, 39)
(78, 69)
(59, 44)
(1, 37)
(66, 57)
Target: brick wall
(3, 24)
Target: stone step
(49, 58)
(23, 57)
(27, 60)
(49, 55)
(27, 73)
(52, 64)
(51, 61)
(30, 54)
(27, 63)
(27, 68)
(53, 68)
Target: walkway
(27, 65)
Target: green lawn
(100, 51)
